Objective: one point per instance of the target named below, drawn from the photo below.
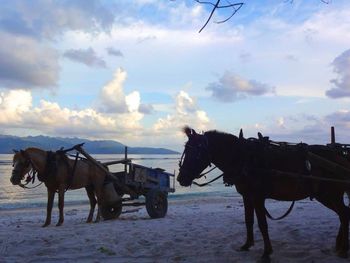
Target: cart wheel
(156, 203)
(111, 211)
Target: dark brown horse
(55, 169)
(260, 170)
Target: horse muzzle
(15, 178)
(184, 180)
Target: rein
(30, 178)
(207, 183)
(213, 180)
(282, 216)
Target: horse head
(195, 157)
(21, 166)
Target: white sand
(206, 230)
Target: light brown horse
(56, 170)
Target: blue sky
(137, 71)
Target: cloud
(341, 66)
(186, 113)
(308, 128)
(231, 87)
(339, 118)
(18, 112)
(112, 98)
(291, 57)
(245, 57)
(85, 56)
(27, 63)
(146, 108)
(28, 31)
(46, 19)
(114, 52)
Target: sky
(138, 71)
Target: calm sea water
(12, 197)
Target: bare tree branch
(211, 14)
(235, 8)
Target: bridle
(204, 145)
(31, 174)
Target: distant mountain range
(8, 143)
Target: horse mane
(222, 136)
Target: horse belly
(81, 177)
(288, 190)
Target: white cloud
(133, 101)
(18, 112)
(231, 87)
(341, 66)
(13, 104)
(112, 98)
(186, 113)
(50, 118)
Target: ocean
(15, 197)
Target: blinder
(197, 148)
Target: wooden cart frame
(135, 181)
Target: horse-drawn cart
(135, 181)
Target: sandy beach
(204, 230)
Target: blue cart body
(142, 177)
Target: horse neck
(223, 149)
(38, 158)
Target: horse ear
(260, 136)
(188, 131)
(15, 151)
(241, 134)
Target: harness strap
(26, 187)
(281, 217)
(204, 184)
(201, 175)
(70, 181)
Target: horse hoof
(45, 225)
(342, 254)
(265, 259)
(244, 248)
(59, 224)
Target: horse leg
(91, 194)
(98, 191)
(259, 206)
(61, 190)
(50, 198)
(343, 212)
(342, 241)
(249, 222)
